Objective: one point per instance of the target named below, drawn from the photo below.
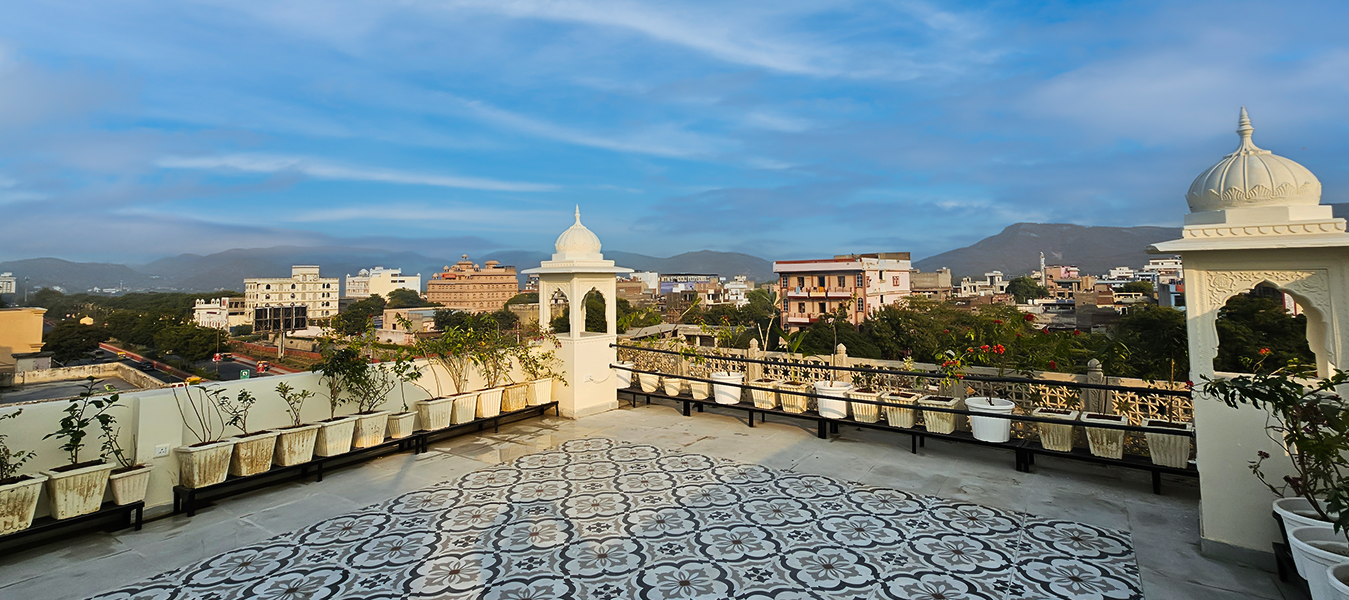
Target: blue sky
(135, 130)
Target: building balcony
(820, 292)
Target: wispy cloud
(261, 163)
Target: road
(161, 372)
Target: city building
(859, 283)
(993, 284)
(467, 286)
(678, 282)
(20, 336)
(1165, 270)
(381, 281)
(221, 313)
(636, 292)
(7, 283)
(935, 285)
(736, 290)
(305, 287)
(650, 278)
(1063, 281)
(420, 321)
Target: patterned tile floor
(598, 519)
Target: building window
(823, 309)
(842, 281)
(801, 307)
(861, 305)
(859, 280)
(819, 281)
(895, 281)
(800, 282)
(269, 286)
(292, 286)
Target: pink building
(858, 283)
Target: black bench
(111, 516)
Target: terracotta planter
(489, 402)
(700, 389)
(648, 381)
(370, 428)
(130, 485)
(402, 424)
(1315, 551)
(253, 454)
(1169, 450)
(541, 391)
(939, 422)
(1106, 443)
(295, 445)
(862, 411)
(672, 386)
(624, 375)
(1056, 436)
(516, 397)
(765, 398)
(465, 407)
(18, 502)
(334, 436)
(898, 416)
(434, 414)
(204, 465)
(77, 491)
(789, 392)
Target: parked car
(145, 365)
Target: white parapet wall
(122, 371)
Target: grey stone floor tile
(189, 544)
(39, 560)
(1161, 587)
(82, 579)
(302, 512)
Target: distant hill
(1016, 251)
(726, 264)
(73, 276)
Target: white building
(7, 283)
(992, 285)
(304, 287)
(1164, 270)
(221, 313)
(861, 283)
(650, 278)
(734, 291)
(380, 280)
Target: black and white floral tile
(596, 519)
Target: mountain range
(1014, 251)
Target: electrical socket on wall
(161, 450)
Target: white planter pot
(295, 445)
(836, 405)
(700, 389)
(1315, 551)
(1056, 436)
(899, 416)
(77, 491)
(1169, 450)
(435, 414)
(253, 454)
(205, 465)
(334, 437)
(465, 407)
(727, 389)
(130, 486)
(18, 503)
(765, 398)
(789, 393)
(673, 386)
(990, 429)
(648, 381)
(624, 375)
(541, 391)
(369, 429)
(862, 411)
(939, 422)
(1298, 512)
(402, 424)
(489, 402)
(515, 397)
(1336, 576)
(1106, 443)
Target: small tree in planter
(253, 450)
(130, 480)
(538, 365)
(865, 387)
(953, 378)
(294, 443)
(18, 493)
(339, 370)
(77, 488)
(370, 387)
(207, 461)
(405, 371)
(491, 353)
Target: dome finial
(578, 213)
(1244, 130)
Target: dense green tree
(405, 298)
(189, 341)
(69, 340)
(1142, 287)
(358, 315)
(1154, 345)
(595, 319)
(1248, 324)
(524, 298)
(1024, 288)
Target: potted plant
(130, 480)
(648, 381)
(403, 423)
(295, 442)
(77, 488)
(623, 369)
(1107, 443)
(833, 403)
(674, 386)
(492, 355)
(1169, 450)
(205, 462)
(338, 369)
(865, 388)
(452, 352)
(370, 387)
(537, 365)
(764, 392)
(253, 450)
(18, 493)
(1057, 436)
(900, 416)
(789, 391)
(953, 375)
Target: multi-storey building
(7, 283)
(380, 280)
(1167, 270)
(304, 288)
(736, 290)
(221, 313)
(466, 286)
(678, 282)
(992, 285)
(858, 283)
(935, 285)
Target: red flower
(997, 321)
(1077, 332)
(1018, 335)
(999, 349)
(969, 349)
(1053, 366)
(946, 331)
(1189, 385)
(1264, 351)
(984, 347)
(1262, 454)
(1029, 317)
